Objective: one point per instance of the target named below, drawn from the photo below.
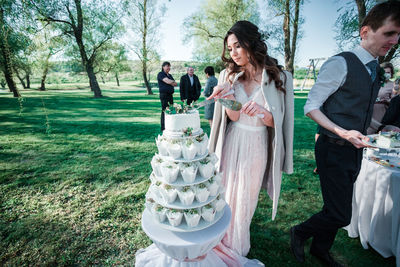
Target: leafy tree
(48, 42)
(144, 20)
(207, 27)
(287, 30)
(112, 59)
(22, 59)
(348, 24)
(90, 24)
(7, 36)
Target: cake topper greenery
(188, 131)
(180, 108)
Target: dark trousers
(338, 167)
(166, 99)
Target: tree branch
(47, 17)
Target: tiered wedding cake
(185, 192)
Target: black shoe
(296, 245)
(327, 259)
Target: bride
(254, 144)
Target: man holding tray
(341, 102)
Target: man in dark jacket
(190, 86)
(166, 85)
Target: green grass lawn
(74, 171)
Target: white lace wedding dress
(243, 163)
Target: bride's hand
(220, 90)
(251, 108)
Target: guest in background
(391, 119)
(383, 99)
(166, 85)
(190, 86)
(208, 90)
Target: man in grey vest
(341, 102)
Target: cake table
(183, 249)
(376, 207)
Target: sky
(318, 40)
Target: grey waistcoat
(351, 105)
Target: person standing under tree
(341, 102)
(208, 90)
(166, 85)
(190, 86)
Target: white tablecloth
(178, 246)
(376, 209)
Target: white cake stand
(183, 249)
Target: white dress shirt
(191, 80)
(332, 75)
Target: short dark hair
(209, 70)
(389, 65)
(165, 63)
(379, 13)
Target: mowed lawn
(74, 171)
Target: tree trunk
(6, 58)
(144, 49)
(294, 36)
(88, 63)
(362, 12)
(116, 78)
(286, 31)
(43, 81)
(28, 80)
(147, 84)
(45, 72)
(20, 78)
(94, 86)
(7, 69)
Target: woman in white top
(254, 144)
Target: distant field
(74, 171)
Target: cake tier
(183, 226)
(174, 219)
(179, 181)
(177, 204)
(183, 148)
(184, 173)
(182, 159)
(178, 122)
(185, 195)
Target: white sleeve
(331, 76)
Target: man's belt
(337, 141)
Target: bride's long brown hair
(251, 40)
